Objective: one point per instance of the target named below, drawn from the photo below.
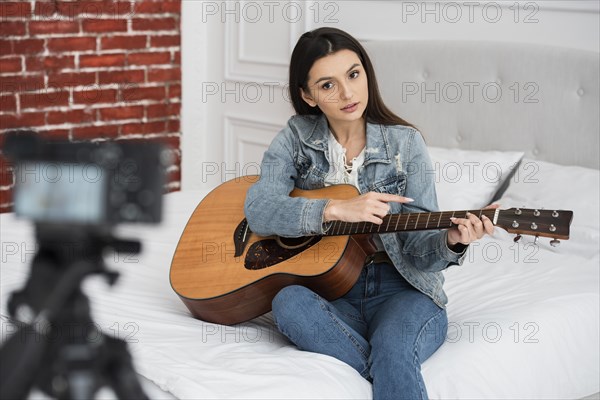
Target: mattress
(523, 317)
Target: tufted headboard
(495, 96)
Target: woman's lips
(350, 108)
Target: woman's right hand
(369, 207)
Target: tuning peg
(517, 238)
(535, 239)
(554, 242)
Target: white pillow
(469, 179)
(540, 184)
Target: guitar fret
(439, 219)
(452, 217)
(417, 221)
(427, 222)
(407, 219)
(397, 221)
(387, 227)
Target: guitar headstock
(546, 223)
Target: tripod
(61, 350)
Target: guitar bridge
(240, 237)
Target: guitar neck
(407, 222)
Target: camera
(86, 183)
(74, 193)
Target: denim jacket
(396, 161)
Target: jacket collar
(376, 149)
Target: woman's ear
(307, 98)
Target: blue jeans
(383, 327)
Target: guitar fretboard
(405, 222)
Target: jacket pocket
(395, 184)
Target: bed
(524, 316)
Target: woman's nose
(345, 91)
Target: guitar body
(226, 274)
(218, 286)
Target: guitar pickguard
(268, 252)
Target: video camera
(74, 193)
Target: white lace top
(340, 171)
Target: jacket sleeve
(427, 249)
(268, 207)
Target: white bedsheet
(523, 323)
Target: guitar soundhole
(268, 252)
(292, 243)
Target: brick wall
(91, 70)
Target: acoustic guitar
(226, 274)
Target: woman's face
(337, 84)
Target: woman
(393, 318)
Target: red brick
(171, 142)
(72, 44)
(104, 25)
(95, 132)
(45, 8)
(95, 96)
(143, 93)
(55, 134)
(23, 120)
(6, 168)
(14, 9)
(71, 79)
(12, 28)
(71, 116)
(21, 83)
(177, 58)
(8, 103)
(49, 63)
(174, 91)
(5, 197)
(161, 7)
(154, 24)
(52, 27)
(164, 75)
(6, 177)
(44, 99)
(149, 58)
(165, 41)
(108, 114)
(10, 65)
(94, 8)
(163, 110)
(123, 42)
(105, 60)
(173, 176)
(27, 46)
(143, 128)
(128, 76)
(6, 47)
(173, 126)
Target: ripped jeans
(383, 327)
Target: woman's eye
(327, 85)
(353, 74)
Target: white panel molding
(244, 67)
(235, 138)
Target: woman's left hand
(470, 229)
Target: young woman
(393, 318)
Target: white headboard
(495, 96)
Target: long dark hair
(320, 42)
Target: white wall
(235, 59)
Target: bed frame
(495, 96)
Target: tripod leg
(119, 371)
